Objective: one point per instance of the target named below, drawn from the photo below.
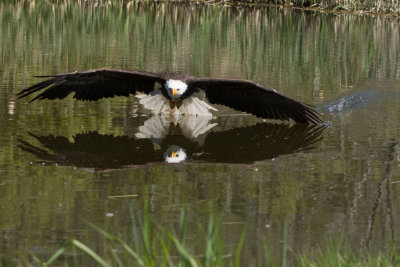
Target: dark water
(61, 162)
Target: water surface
(61, 162)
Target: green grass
(339, 254)
(152, 245)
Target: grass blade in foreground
(81, 246)
(179, 254)
(124, 245)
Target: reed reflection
(163, 140)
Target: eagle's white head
(175, 154)
(175, 88)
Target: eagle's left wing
(253, 98)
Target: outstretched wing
(94, 84)
(253, 98)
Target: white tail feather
(155, 102)
(194, 106)
(158, 104)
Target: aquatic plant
(154, 245)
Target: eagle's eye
(177, 155)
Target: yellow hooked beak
(173, 154)
(174, 91)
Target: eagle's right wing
(94, 84)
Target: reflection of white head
(175, 88)
(174, 154)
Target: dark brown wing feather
(94, 84)
(253, 98)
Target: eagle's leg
(175, 103)
(178, 103)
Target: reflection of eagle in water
(175, 94)
(239, 145)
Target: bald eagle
(175, 94)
